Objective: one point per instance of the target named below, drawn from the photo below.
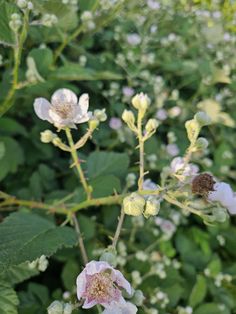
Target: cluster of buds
(40, 263)
(49, 20)
(87, 19)
(25, 4)
(140, 102)
(57, 307)
(15, 22)
(136, 205)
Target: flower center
(100, 287)
(63, 110)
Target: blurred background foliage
(182, 54)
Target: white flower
(178, 167)
(133, 39)
(126, 308)
(224, 194)
(64, 110)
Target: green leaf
(6, 34)
(2, 150)
(211, 308)
(87, 226)
(8, 299)
(12, 127)
(199, 291)
(26, 236)
(18, 273)
(69, 273)
(104, 163)
(75, 72)
(105, 185)
(12, 158)
(45, 54)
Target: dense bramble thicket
(62, 192)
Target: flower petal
(95, 267)
(121, 281)
(88, 304)
(41, 108)
(232, 206)
(84, 103)
(63, 96)
(222, 193)
(81, 284)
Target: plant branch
(80, 239)
(118, 229)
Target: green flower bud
(128, 116)
(109, 257)
(220, 214)
(131, 179)
(133, 204)
(151, 125)
(56, 307)
(201, 143)
(202, 118)
(68, 308)
(152, 207)
(100, 115)
(138, 298)
(141, 102)
(47, 136)
(93, 123)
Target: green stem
(77, 164)
(141, 153)
(7, 103)
(118, 229)
(80, 239)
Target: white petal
(232, 206)
(222, 193)
(95, 267)
(41, 108)
(62, 96)
(88, 305)
(81, 119)
(121, 281)
(81, 284)
(84, 103)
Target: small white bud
(42, 263)
(138, 298)
(141, 102)
(128, 116)
(68, 308)
(22, 4)
(202, 143)
(56, 307)
(109, 257)
(202, 118)
(47, 136)
(151, 125)
(100, 115)
(133, 204)
(152, 207)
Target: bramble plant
(117, 162)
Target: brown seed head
(203, 184)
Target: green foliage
(6, 34)
(8, 299)
(31, 236)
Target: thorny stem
(77, 164)
(141, 153)
(17, 60)
(80, 239)
(118, 228)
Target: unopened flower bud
(152, 207)
(133, 204)
(100, 115)
(47, 136)
(68, 308)
(220, 214)
(42, 263)
(56, 307)
(151, 125)
(93, 123)
(109, 257)
(130, 179)
(22, 4)
(138, 298)
(202, 118)
(141, 102)
(128, 116)
(201, 143)
(15, 22)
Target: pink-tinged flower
(148, 184)
(64, 110)
(224, 194)
(133, 39)
(99, 283)
(115, 123)
(161, 114)
(154, 5)
(172, 149)
(128, 91)
(181, 170)
(126, 308)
